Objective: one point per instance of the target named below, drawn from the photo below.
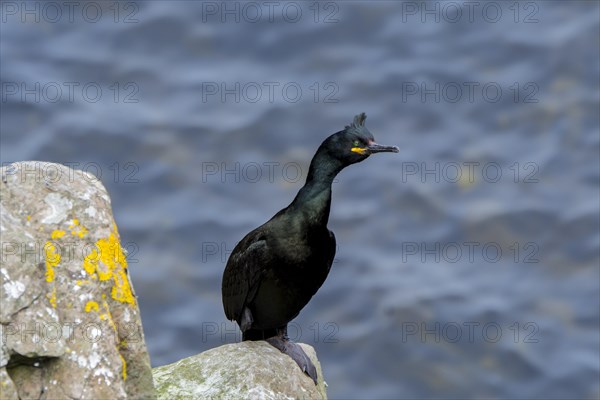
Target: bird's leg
(281, 342)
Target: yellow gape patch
(359, 150)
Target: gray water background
(419, 303)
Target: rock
(246, 370)
(69, 320)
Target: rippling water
(467, 265)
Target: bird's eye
(355, 143)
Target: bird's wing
(329, 256)
(332, 248)
(242, 275)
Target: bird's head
(355, 143)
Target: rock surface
(246, 370)
(69, 319)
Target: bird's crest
(359, 121)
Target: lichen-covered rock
(69, 320)
(246, 370)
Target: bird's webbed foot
(286, 346)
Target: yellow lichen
(82, 232)
(52, 260)
(52, 298)
(121, 291)
(111, 255)
(107, 261)
(29, 218)
(124, 367)
(91, 306)
(57, 234)
(107, 316)
(90, 261)
(77, 229)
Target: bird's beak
(378, 148)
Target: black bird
(274, 270)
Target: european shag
(274, 270)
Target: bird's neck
(313, 201)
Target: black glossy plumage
(274, 270)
